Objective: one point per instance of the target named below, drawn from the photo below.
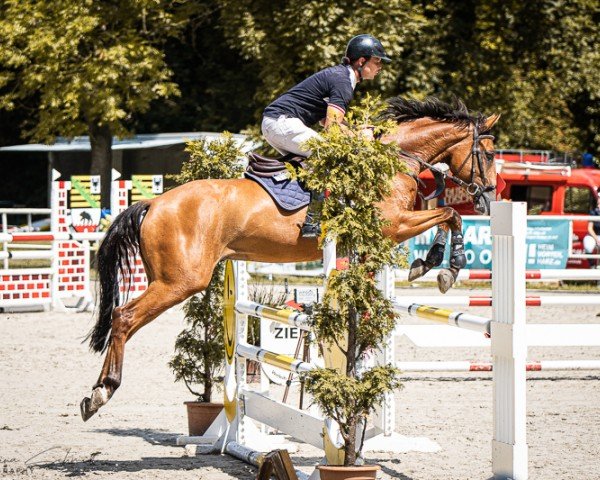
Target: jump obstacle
(486, 300)
(67, 279)
(509, 448)
(238, 435)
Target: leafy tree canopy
(84, 62)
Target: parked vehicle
(549, 183)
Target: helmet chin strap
(360, 77)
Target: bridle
(476, 154)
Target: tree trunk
(350, 443)
(101, 143)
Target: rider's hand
(367, 133)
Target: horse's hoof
(418, 268)
(445, 280)
(84, 407)
(89, 406)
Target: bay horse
(182, 234)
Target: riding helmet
(365, 46)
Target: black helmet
(365, 46)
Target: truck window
(538, 198)
(578, 200)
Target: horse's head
(432, 131)
(471, 161)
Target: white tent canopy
(82, 144)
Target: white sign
(278, 338)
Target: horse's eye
(490, 156)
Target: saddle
(266, 167)
(288, 194)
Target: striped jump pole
(442, 315)
(544, 365)
(530, 300)
(284, 362)
(286, 316)
(50, 236)
(530, 275)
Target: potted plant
(354, 316)
(199, 355)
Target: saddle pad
(288, 194)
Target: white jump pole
(486, 300)
(474, 367)
(509, 344)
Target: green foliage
(534, 62)
(85, 63)
(349, 400)
(291, 40)
(199, 348)
(211, 159)
(358, 174)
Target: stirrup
(311, 230)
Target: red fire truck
(550, 184)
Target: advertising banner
(548, 244)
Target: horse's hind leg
(126, 321)
(435, 255)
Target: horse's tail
(116, 254)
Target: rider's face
(371, 68)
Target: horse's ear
(491, 121)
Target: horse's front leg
(435, 255)
(458, 260)
(411, 224)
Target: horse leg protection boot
(435, 256)
(457, 254)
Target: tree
(354, 317)
(291, 40)
(217, 85)
(87, 66)
(532, 61)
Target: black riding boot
(312, 223)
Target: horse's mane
(403, 110)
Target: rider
(322, 97)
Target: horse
(182, 234)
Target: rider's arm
(334, 115)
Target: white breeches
(287, 135)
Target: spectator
(591, 241)
(587, 160)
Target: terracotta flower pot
(334, 472)
(201, 415)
